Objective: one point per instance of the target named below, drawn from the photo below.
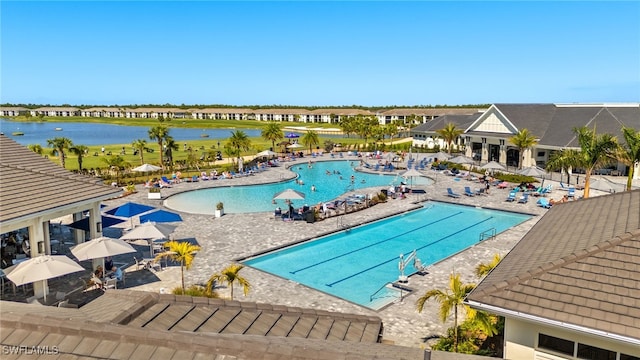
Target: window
(628, 357)
(593, 353)
(541, 153)
(555, 344)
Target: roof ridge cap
(69, 175)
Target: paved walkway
(236, 236)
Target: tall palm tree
(80, 151)
(239, 141)
(523, 140)
(629, 153)
(449, 134)
(310, 139)
(159, 134)
(230, 276)
(141, 146)
(272, 132)
(60, 144)
(449, 299)
(595, 151)
(182, 252)
(391, 130)
(36, 148)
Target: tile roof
(130, 324)
(31, 184)
(432, 112)
(554, 124)
(579, 265)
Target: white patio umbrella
(42, 268)
(146, 168)
(493, 165)
(441, 156)
(411, 173)
(149, 230)
(266, 153)
(288, 195)
(240, 164)
(100, 248)
(604, 184)
(533, 171)
(294, 146)
(462, 159)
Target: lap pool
(355, 264)
(331, 179)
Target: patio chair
(110, 284)
(523, 199)
(572, 192)
(468, 192)
(450, 193)
(511, 197)
(544, 202)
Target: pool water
(356, 264)
(331, 179)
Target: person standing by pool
(313, 188)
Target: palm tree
(595, 151)
(36, 148)
(182, 252)
(159, 133)
(170, 145)
(523, 140)
(80, 151)
(141, 146)
(484, 268)
(563, 160)
(273, 133)
(629, 154)
(239, 141)
(391, 130)
(449, 134)
(310, 138)
(116, 163)
(449, 299)
(230, 275)
(60, 144)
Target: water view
(86, 133)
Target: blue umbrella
(83, 224)
(292, 135)
(129, 209)
(160, 216)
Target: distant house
(570, 289)
(487, 134)
(12, 111)
(56, 111)
(422, 115)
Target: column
(503, 152)
(485, 150)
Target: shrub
(219, 206)
(382, 197)
(195, 290)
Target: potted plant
(154, 193)
(219, 209)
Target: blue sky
(319, 53)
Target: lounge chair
(523, 199)
(544, 202)
(468, 192)
(503, 185)
(572, 192)
(511, 197)
(450, 193)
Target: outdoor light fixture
(99, 226)
(40, 247)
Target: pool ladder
(341, 225)
(487, 234)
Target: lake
(102, 134)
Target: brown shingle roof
(130, 324)
(31, 184)
(577, 265)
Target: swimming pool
(356, 264)
(331, 179)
